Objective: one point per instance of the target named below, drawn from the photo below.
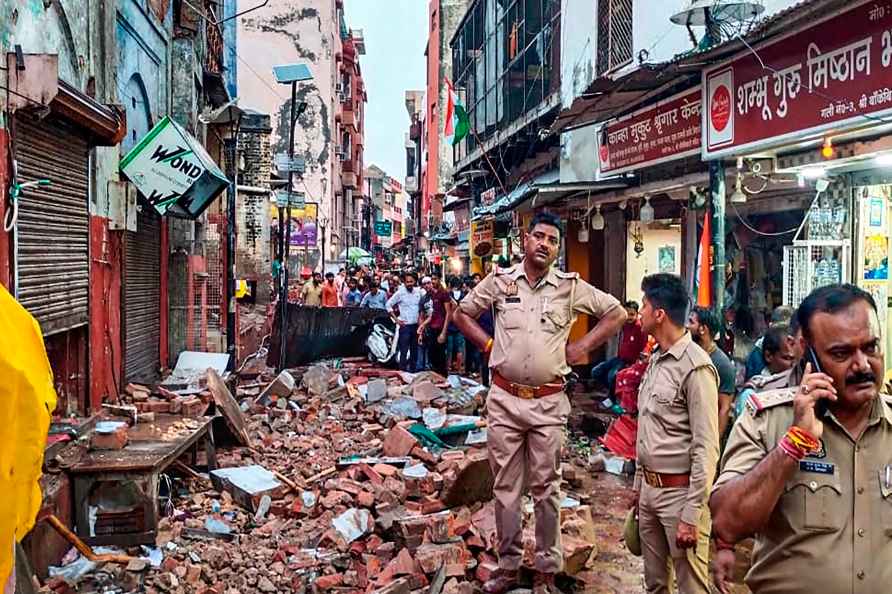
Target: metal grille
(614, 34)
(215, 253)
(142, 299)
(53, 225)
(809, 265)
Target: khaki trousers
(524, 440)
(658, 513)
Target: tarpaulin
(27, 398)
(318, 332)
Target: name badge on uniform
(511, 289)
(512, 299)
(817, 467)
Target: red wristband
(721, 545)
(791, 449)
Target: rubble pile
(357, 479)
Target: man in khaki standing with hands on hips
(678, 444)
(527, 408)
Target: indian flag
(458, 124)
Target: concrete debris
(337, 494)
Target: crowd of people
(421, 306)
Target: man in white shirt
(405, 303)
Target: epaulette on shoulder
(566, 275)
(758, 402)
(503, 271)
(887, 398)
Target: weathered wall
(286, 32)
(253, 205)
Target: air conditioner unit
(342, 155)
(339, 88)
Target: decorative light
(455, 265)
(598, 222)
(647, 211)
(583, 235)
(827, 150)
(738, 197)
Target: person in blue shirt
(375, 298)
(353, 297)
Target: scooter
(383, 341)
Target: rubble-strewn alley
(340, 477)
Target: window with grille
(614, 34)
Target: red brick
(153, 406)
(193, 574)
(176, 406)
(439, 528)
(365, 499)
(403, 564)
(358, 380)
(431, 556)
(166, 394)
(373, 542)
(169, 564)
(134, 388)
(371, 474)
(327, 582)
(194, 407)
(385, 470)
(399, 442)
(423, 455)
(110, 441)
(345, 485)
(417, 581)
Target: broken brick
(432, 556)
(114, 440)
(399, 442)
(365, 499)
(403, 564)
(328, 582)
(385, 470)
(194, 407)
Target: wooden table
(132, 475)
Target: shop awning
(173, 172)
(518, 194)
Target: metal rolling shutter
(54, 224)
(142, 299)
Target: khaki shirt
(678, 420)
(831, 530)
(532, 324)
(311, 294)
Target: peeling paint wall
(282, 33)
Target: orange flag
(704, 264)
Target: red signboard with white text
(824, 79)
(658, 133)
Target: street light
(288, 74)
(323, 223)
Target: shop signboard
(383, 228)
(173, 172)
(664, 131)
(482, 238)
(303, 224)
(834, 75)
(487, 197)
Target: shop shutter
(142, 298)
(54, 224)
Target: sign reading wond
(173, 172)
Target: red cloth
(438, 305)
(329, 295)
(632, 342)
(627, 382)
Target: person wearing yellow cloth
(27, 399)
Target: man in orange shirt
(329, 292)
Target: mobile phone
(822, 403)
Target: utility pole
(287, 74)
(717, 198)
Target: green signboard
(383, 228)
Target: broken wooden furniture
(116, 491)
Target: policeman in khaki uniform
(527, 408)
(808, 470)
(678, 444)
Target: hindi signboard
(487, 197)
(664, 131)
(834, 75)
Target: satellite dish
(703, 12)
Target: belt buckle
(525, 392)
(653, 478)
